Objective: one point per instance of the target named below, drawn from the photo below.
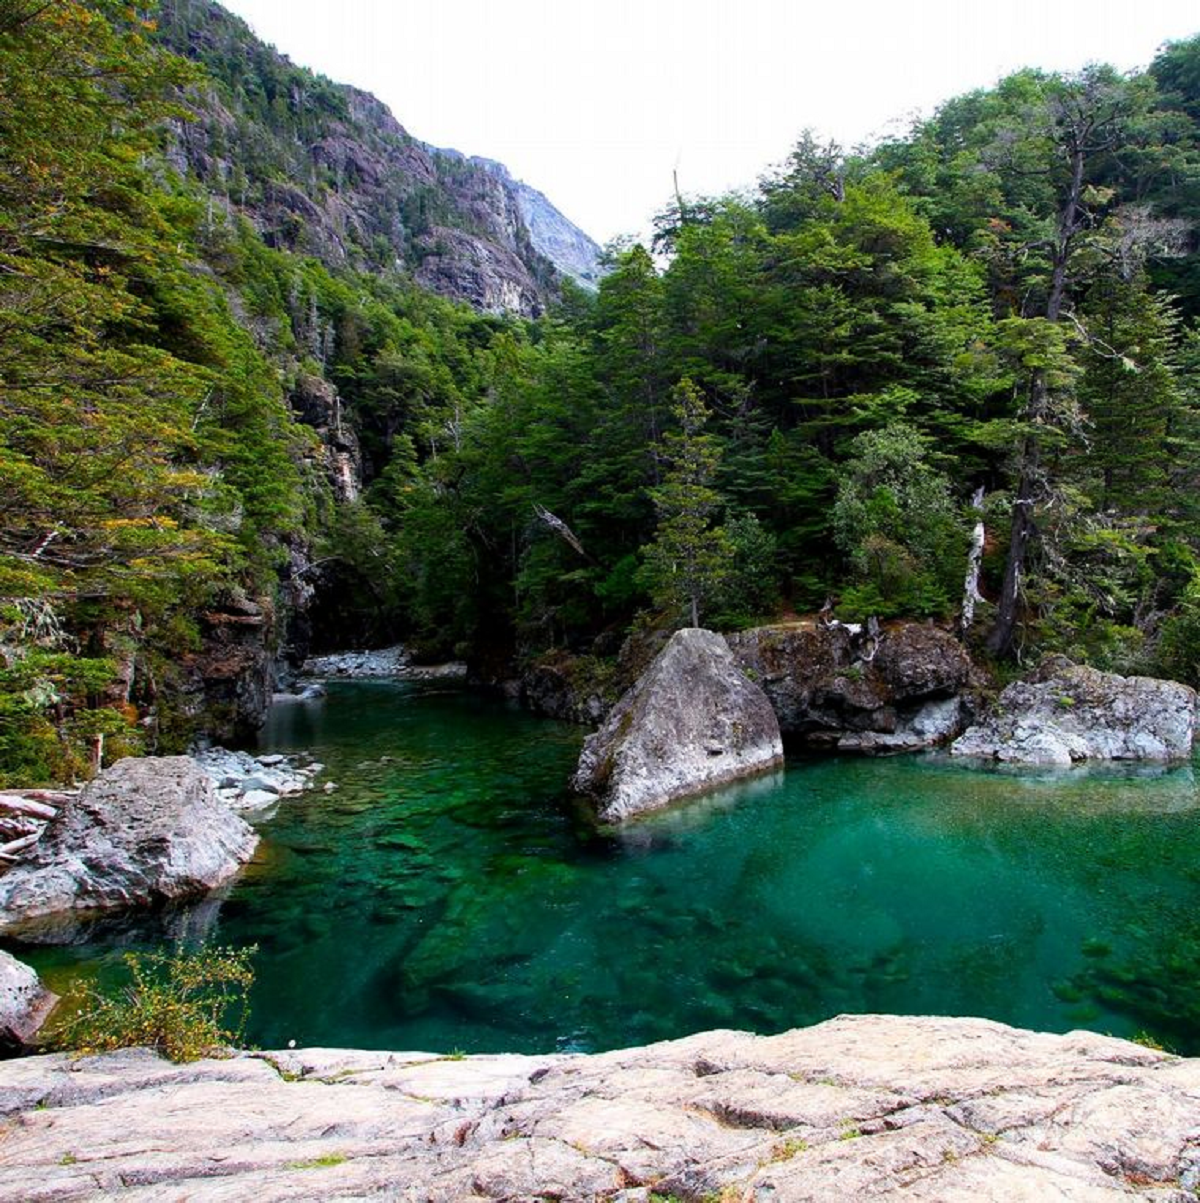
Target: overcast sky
(597, 102)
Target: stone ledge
(861, 1106)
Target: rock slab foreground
(859, 1107)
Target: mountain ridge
(327, 169)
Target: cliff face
(325, 169)
(553, 235)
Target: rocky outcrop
(315, 403)
(691, 723)
(223, 690)
(574, 689)
(861, 1107)
(25, 1003)
(837, 685)
(144, 832)
(1064, 713)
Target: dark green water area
(449, 895)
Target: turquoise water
(449, 896)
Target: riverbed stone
(860, 1107)
(693, 722)
(144, 832)
(1064, 713)
(25, 1003)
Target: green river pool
(449, 895)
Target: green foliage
(895, 520)
(689, 560)
(185, 1005)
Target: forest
(978, 341)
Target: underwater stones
(144, 832)
(24, 1002)
(693, 721)
(1064, 712)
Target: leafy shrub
(186, 1004)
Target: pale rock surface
(144, 832)
(24, 1002)
(393, 661)
(861, 1107)
(692, 722)
(255, 783)
(1063, 713)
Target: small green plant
(317, 1163)
(456, 1054)
(1146, 1040)
(68, 1159)
(187, 1004)
(849, 1130)
(785, 1150)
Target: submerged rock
(693, 722)
(24, 1002)
(1064, 712)
(144, 832)
(861, 1107)
(839, 685)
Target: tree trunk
(971, 593)
(1000, 638)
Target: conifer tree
(689, 557)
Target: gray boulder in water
(24, 1002)
(692, 722)
(1065, 712)
(144, 832)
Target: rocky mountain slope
(859, 1107)
(325, 169)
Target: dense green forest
(813, 390)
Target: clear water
(449, 896)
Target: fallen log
(22, 805)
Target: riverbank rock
(381, 662)
(693, 722)
(25, 1003)
(868, 1106)
(144, 832)
(1064, 712)
(573, 689)
(837, 685)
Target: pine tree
(689, 558)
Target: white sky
(596, 102)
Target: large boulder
(24, 1002)
(1064, 712)
(692, 722)
(144, 832)
(841, 685)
